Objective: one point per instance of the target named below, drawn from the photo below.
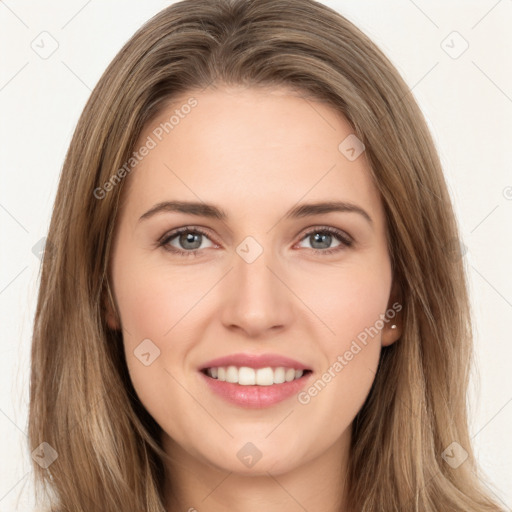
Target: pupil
(319, 237)
(189, 238)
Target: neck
(195, 485)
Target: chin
(257, 458)
(275, 464)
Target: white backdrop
(456, 58)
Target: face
(253, 277)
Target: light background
(467, 102)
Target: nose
(257, 298)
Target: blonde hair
(82, 402)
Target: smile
(246, 376)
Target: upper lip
(255, 361)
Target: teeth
(279, 375)
(264, 376)
(232, 374)
(246, 376)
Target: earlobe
(391, 332)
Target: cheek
(350, 356)
(346, 300)
(149, 308)
(155, 303)
(143, 308)
(152, 300)
(350, 303)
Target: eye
(187, 241)
(321, 239)
(188, 238)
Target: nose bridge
(256, 298)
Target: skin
(255, 153)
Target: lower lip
(255, 397)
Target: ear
(393, 324)
(109, 309)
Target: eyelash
(344, 239)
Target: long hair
(100, 447)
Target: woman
(253, 372)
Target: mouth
(247, 376)
(255, 381)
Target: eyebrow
(211, 211)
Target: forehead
(249, 149)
